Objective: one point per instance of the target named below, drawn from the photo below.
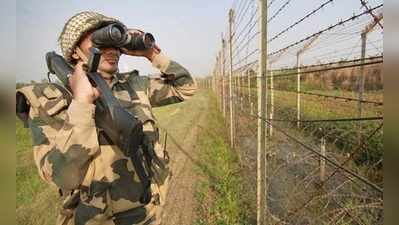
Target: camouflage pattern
(97, 177)
(77, 26)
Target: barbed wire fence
(300, 88)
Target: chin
(109, 68)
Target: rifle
(124, 129)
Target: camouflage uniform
(71, 153)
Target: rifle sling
(108, 100)
(149, 152)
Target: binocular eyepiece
(116, 35)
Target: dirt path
(182, 121)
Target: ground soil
(182, 123)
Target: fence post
(298, 62)
(261, 85)
(271, 100)
(213, 79)
(249, 92)
(298, 89)
(214, 75)
(361, 80)
(217, 79)
(239, 88)
(220, 81)
(231, 21)
(223, 78)
(322, 160)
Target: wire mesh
(324, 108)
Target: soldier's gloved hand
(80, 85)
(149, 140)
(148, 53)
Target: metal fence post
(217, 75)
(298, 63)
(231, 21)
(218, 81)
(223, 78)
(271, 100)
(261, 85)
(239, 88)
(362, 77)
(361, 82)
(298, 89)
(322, 160)
(249, 92)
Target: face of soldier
(109, 58)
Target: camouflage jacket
(69, 153)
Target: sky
(188, 31)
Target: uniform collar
(117, 78)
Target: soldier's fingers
(96, 93)
(79, 65)
(133, 52)
(71, 81)
(135, 31)
(157, 48)
(80, 69)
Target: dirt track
(182, 121)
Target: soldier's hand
(148, 53)
(82, 90)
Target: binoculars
(116, 35)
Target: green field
(344, 135)
(36, 202)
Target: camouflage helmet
(77, 26)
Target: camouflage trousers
(146, 215)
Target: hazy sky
(186, 30)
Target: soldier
(70, 152)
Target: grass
(343, 134)
(36, 202)
(28, 181)
(342, 137)
(221, 186)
